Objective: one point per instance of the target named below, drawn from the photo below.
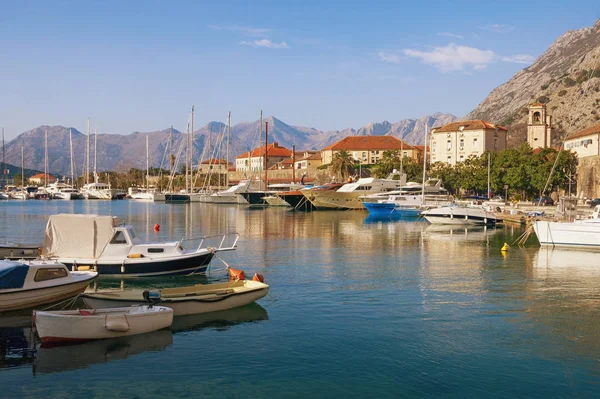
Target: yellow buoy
(504, 247)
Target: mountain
(121, 152)
(566, 77)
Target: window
(50, 274)
(475, 142)
(156, 250)
(405, 154)
(448, 145)
(462, 143)
(449, 159)
(495, 143)
(433, 146)
(462, 158)
(119, 238)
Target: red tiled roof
(368, 143)
(476, 124)
(310, 157)
(585, 132)
(537, 105)
(421, 147)
(273, 150)
(41, 176)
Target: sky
(134, 65)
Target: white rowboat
(81, 324)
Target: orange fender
(236, 274)
(258, 277)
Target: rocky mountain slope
(121, 152)
(566, 77)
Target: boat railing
(219, 242)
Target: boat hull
(254, 197)
(75, 326)
(275, 200)
(228, 199)
(177, 198)
(25, 299)
(460, 216)
(336, 200)
(186, 306)
(575, 235)
(143, 267)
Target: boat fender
(235, 274)
(117, 326)
(135, 256)
(258, 277)
(157, 227)
(83, 268)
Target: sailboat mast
(95, 155)
(72, 165)
(293, 163)
(228, 140)
(259, 137)
(46, 158)
(266, 158)
(3, 165)
(424, 164)
(87, 156)
(147, 166)
(401, 156)
(489, 163)
(191, 151)
(171, 148)
(22, 168)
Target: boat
(349, 196)
(60, 190)
(177, 198)
(14, 251)
(584, 233)
(233, 194)
(85, 325)
(98, 242)
(460, 215)
(269, 196)
(143, 194)
(25, 284)
(194, 299)
(98, 191)
(3, 196)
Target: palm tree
(342, 164)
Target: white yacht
(273, 199)
(60, 190)
(583, 233)
(460, 215)
(141, 194)
(232, 194)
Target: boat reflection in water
(55, 359)
(220, 321)
(16, 337)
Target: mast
(46, 158)
(401, 157)
(191, 151)
(96, 156)
(489, 160)
(293, 163)
(72, 165)
(147, 167)
(424, 164)
(227, 160)
(259, 137)
(266, 157)
(3, 165)
(87, 156)
(22, 168)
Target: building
(367, 149)
(215, 166)
(254, 160)
(585, 143)
(40, 178)
(308, 162)
(539, 127)
(456, 141)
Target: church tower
(539, 126)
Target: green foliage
(582, 76)
(543, 99)
(569, 82)
(562, 93)
(342, 164)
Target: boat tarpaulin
(12, 274)
(77, 236)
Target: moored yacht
(460, 215)
(232, 194)
(60, 190)
(583, 233)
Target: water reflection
(220, 321)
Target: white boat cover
(77, 236)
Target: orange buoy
(235, 274)
(156, 227)
(258, 277)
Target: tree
(342, 164)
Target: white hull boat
(142, 196)
(577, 234)
(275, 200)
(459, 215)
(158, 197)
(200, 298)
(84, 325)
(26, 284)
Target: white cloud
(498, 28)
(389, 57)
(448, 34)
(246, 30)
(519, 59)
(454, 58)
(266, 43)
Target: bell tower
(539, 126)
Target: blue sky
(139, 65)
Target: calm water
(357, 308)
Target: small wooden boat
(26, 284)
(82, 324)
(194, 299)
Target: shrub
(562, 93)
(569, 82)
(543, 99)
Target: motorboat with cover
(194, 299)
(460, 215)
(99, 243)
(85, 325)
(25, 284)
(349, 196)
(584, 233)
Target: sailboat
(62, 190)
(97, 189)
(3, 195)
(145, 194)
(22, 193)
(184, 196)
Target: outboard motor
(151, 296)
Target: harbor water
(358, 308)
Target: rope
(70, 302)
